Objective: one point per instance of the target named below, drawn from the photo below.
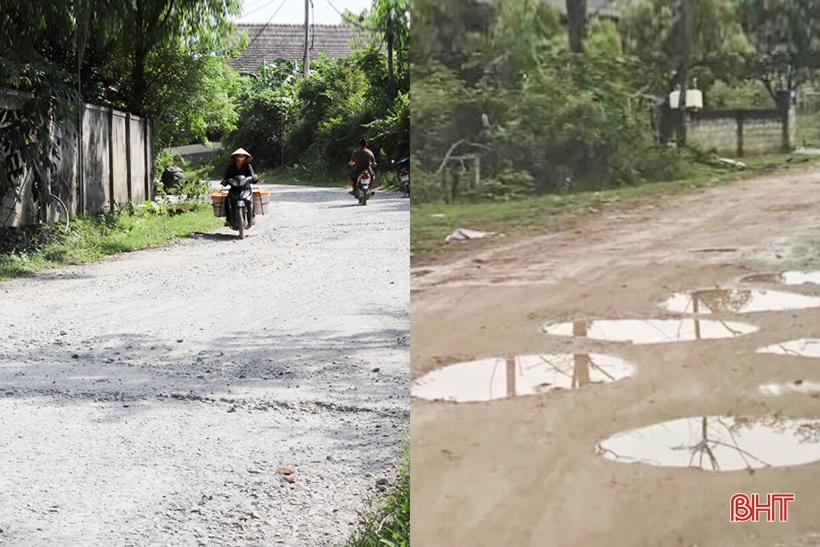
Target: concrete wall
(9, 209)
(19, 213)
(117, 165)
(738, 132)
(118, 160)
(139, 136)
(97, 166)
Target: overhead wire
(263, 4)
(266, 24)
(253, 5)
(354, 23)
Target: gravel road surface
(151, 398)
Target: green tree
(145, 26)
(120, 54)
(37, 42)
(785, 38)
(194, 94)
(449, 32)
(365, 94)
(332, 109)
(713, 43)
(391, 21)
(266, 105)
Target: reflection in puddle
(806, 347)
(799, 386)
(785, 278)
(651, 331)
(738, 301)
(718, 443)
(490, 379)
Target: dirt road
(150, 399)
(561, 467)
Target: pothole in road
(805, 347)
(650, 331)
(489, 379)
(718, 443)
(798, 386)
(785, 278)
(738, 301)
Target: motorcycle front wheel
(240, 221)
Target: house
(270, 42)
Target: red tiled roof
(269, 42)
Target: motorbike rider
(240, 165)
(362, 160)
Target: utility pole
(307, 41)
(80, 108)
(576, 24)
(685, 23)
(282, 114)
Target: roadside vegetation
(302, 130)
(430, 223)
(386, 520)
(519, 107)
(168, 60)
(28, 250)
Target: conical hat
(243, 152)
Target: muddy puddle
(806, 347)
(785, 278)
(784, 388)
(650, 331)
(738, 301)
(490, 379)
(718, 443)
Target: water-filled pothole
(785, 278)
(489, 379)
(738, 301)
(798, 386)
(718, 443)
(650, 331)
(805, 347)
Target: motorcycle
(403, 165)
(240, 196)
(363, 187)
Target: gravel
(150, 399)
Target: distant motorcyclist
(362, 160)
(240, 166)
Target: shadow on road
(214, 236)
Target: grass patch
(430, 223)
(386, 522)
(25, 251)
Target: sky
(293, 11)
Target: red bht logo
(745, 508)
